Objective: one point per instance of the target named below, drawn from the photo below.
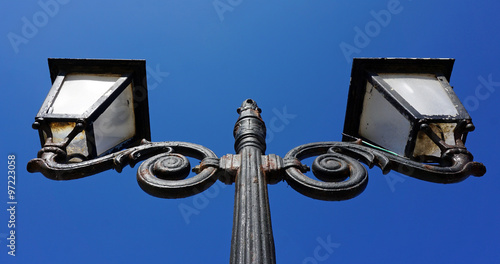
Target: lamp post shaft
(252, 239)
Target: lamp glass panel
(79, 92)
(60, 130)
(423, 92)
(382, 124)
(117, 123)
(424, 146)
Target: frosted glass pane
(382, 124)
(424, 146)
(422, 91)
(117, 123)
(79, 92)
(77, 146)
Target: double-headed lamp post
(402, 115)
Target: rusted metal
(272, 166)
(252, 238)
(229, 165)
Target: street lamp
(406, 106)
(391, 122)
(94, 107)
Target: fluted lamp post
(402, 115)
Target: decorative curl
(170, 166)
(164, 175)
(330, 168)
(342, 176)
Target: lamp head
(95, 106)
(406, 106)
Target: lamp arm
(51, 161)
(48, 163)
(343, 177)
(456, 163)
(161, 175)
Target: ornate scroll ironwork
(343, 177)
(163, 174)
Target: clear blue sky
(204, 58)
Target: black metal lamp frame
(165, 169)
(131, 71)
(367, 69)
